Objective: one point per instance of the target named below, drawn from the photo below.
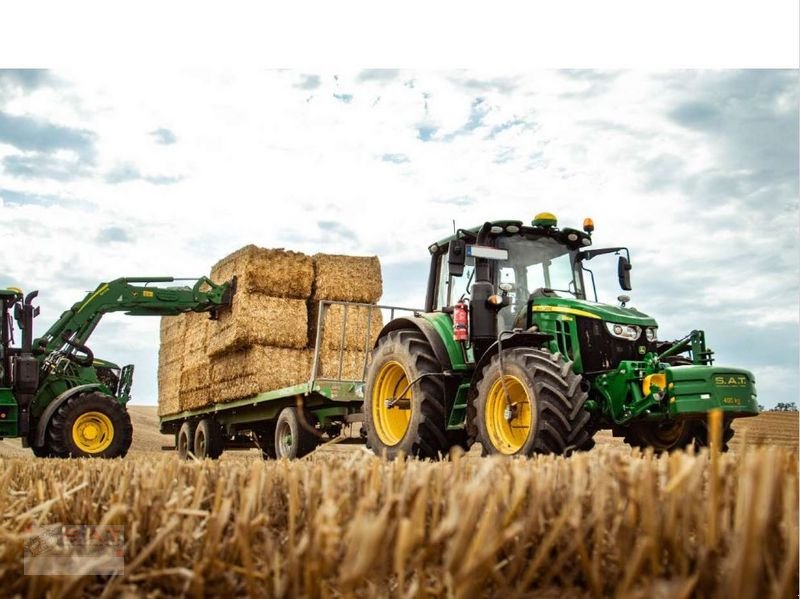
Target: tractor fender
(423, 326)
(41, 424)
(523, 339)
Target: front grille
(601, 351)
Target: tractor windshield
(538, 263)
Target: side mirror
(624, 273)
(457, 257)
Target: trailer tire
(551, 417)
(292, 439)
(184, 440)
(419, 431)
(90, 425)
(207, 440)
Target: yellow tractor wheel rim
(391, 423)
(92, 432)
(509, 421)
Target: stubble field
(611, 522)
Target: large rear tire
(546, 412)
(90, 425)
(414, 425)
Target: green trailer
(288, 422)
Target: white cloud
(264, 156)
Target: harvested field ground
(611, 522)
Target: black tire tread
(58, 435)
(430, 439)
(563, 417)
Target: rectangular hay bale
(258, 369)
(347, 278)
(273, 272)
(195, 386)
(195, 339)
(352, 364)
(361, 330)
(258, 319)
(169, 383)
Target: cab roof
(572, 238)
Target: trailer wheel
(90, 425)
(292, 439)
(207, 440)
(184, 440)
(533, 404)
(664, 436)
(413, 424)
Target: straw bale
(352, 364)
(347, 278)
(356, 335)
(258, 369)
(172, 328)
(169, 381)
(257, 319)
(170, 363)
(195, 386)
(195, 339)
(273, 272)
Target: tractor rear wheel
(534, 403)
(184, 440)
(399, 417)
(670, 435)
(90, 425)
(207, 440)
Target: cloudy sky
(105, 173)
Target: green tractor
(59, 398)
(511, 353)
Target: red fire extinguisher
(460, 320)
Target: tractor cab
(514, 277)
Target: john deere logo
(730, 380)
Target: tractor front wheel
(531, 402)
(663, 436)
(90, 425)
(404, 405)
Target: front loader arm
(134, 296)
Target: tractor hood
(588, 309)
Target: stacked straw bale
(258, 369)
(170, 363)
(361, 330)
(195, 379)
(347, 278)
(277, 273)
(258, 319)
(353, 361)
(265, 341)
